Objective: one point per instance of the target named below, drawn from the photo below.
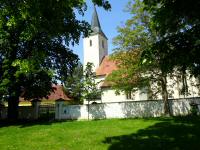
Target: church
(95, 50)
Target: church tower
(95, 46)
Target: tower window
(102, 44)
(90, 42)
(129, 95)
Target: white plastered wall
(109, 95)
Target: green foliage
(140, 65)
(134, 37)
(81, 85)
(194, 109)
(91, 92)
(178, 25)
(128, 77)
(34, 36)
(73, 86)
(136, 32)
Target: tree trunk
(13, 103)
(165, 95)
(13, 99)
(88, 110)
(184, 80)
(13, 89)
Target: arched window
(90, 43)
(102, 44)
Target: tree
(138, 65)
(128, 77)
(178, 26)
(81, 85)
(34, 36)
(73, 86)
(91, 92)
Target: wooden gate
(47, 112)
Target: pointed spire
(95, 24)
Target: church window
(129, 95)
(102, 44)
(170, 94)
(90, 43)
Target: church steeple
(95, 46)
(95, 24)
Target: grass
(180, 133)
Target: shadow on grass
(181, 133)
(28, 123)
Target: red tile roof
(106, 67)
(58, 93)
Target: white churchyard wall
(130, 109)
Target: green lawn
(133, 134)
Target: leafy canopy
(177, 23)
(134, 37)
(34, 40)
(91, 92)
(34, 36)
(74, 86)
(81, 85)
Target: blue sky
(109, 21)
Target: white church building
(95, 49)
